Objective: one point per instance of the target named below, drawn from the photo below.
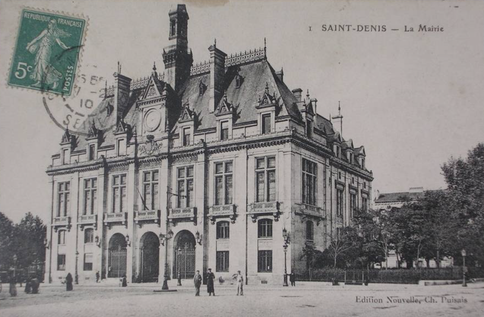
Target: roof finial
(119, 67)
(267, 87)
(307, 94)
(339, 108)
(225, 95)
(105, 89)
(214, 42)
(154, 70)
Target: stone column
(131, 189)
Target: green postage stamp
(47, 52)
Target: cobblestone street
(307, 299)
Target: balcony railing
(85, 220)
(309, 211)
(147, 216)
(177, 214)
(62, 221)
(112, 218)
(265, 208)
(222, 211)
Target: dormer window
(224, 130)
(65, 156)
(92, 152)
(186, 136)
(172, 27)
(238, 81)
(309, 128)
(266, 123)
(362, 162)
(121, 147)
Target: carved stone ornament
(151, 147)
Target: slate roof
(399, 197)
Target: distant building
(396, 200)
(204, 166)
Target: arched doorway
(117, 256)
(184, 255)
(149, 257)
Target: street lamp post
(285, 235)
(168, 236)
(464, 282)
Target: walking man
(197, 280)
(240, 283)
(210, 286)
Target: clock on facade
(152, 120)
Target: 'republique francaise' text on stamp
(47, 51)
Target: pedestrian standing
(13, 286)
(292, 278)
(28, 285)
(35, 285)
(124, 282)
(97, 276)
(197, 280)
(240, 283)
(210, 284)
(69, 280)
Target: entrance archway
(117, 256)
(184, 255)
(149, 257)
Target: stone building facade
(203, 166)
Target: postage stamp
(47, 52)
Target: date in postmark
(47, 52)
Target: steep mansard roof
(255, 76)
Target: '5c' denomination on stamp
(47, 52)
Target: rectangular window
(222, 261)
(224, 130)
(150, 190)
(265, 228)
(309, 177)
(61, 262)
(223, 230)
(92, 152)
(339, 202)
(65, 158)
(309, 129)
(266, 123)
(121, 145)
(89, 236)
(353, 204)
(185, 186)
(119, 193)
(364, 203)
(90, 196)
(186, 136)
(63, 199)
(265, 261)
(61, 237)
(88, 262)
(223, 183)
(265, 179)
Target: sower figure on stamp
(240, 283)
(210, 285)
(69, 280)
(44, 73)
(197, 280)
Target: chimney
(177, 57)
(217, 74)
(297, 93)
(121, 93)
(280, 75)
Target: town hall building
(214, 165)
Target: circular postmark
(90, 104)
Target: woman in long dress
(69, 282)
(43, 72)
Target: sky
(413, 99)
